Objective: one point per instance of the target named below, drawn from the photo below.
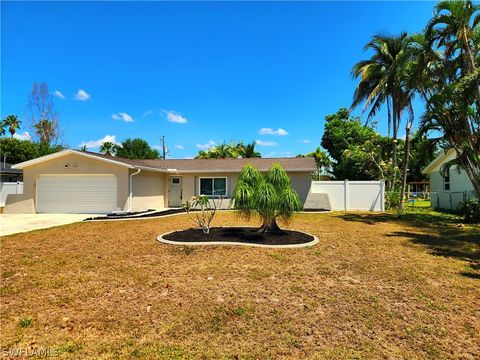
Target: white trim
(230, 171)
(439, 159)
(213, 184)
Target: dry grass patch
(375, 286)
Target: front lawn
(377, 285)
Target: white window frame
(213, 177)
(445, 182)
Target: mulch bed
(240, 234)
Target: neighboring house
(10, 175)
(72, 181)
(10, 182)
(447, 192)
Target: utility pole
(162, 140)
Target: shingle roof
(297, 164)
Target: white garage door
(76, 194)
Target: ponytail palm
(269, 196)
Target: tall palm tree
(380, 83)
(453, 26)
(2, 128)
(322, 161)
(108, 148)
(13, 123)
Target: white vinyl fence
(9, 188)
(350, 195)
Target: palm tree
(45, 129)
(452, 27)
(380, 84)
(247, 151)
(322, 161)
(2, 128)
(269, 196)
(13, 123)
(108, 148)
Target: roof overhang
(439, 161)
(63, 153)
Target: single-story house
(447, 192)
(9, 174)
(73, 181)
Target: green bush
(392, 200)
(470, 210)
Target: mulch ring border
(161, 239)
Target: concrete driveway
(17, 223)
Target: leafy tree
(17, 150)
(247, 151)
(13, 123)
(83, 148)
(136, 149)
(269, 196)
(357, 150)
(422, 152)
(452, 92)
(108, 148)
(229, 151)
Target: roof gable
(441, 159)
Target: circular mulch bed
(239, 236)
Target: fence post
(382, 192)
(346, 195)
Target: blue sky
(197, 73)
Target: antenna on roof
(162, 140)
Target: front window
(213, 186)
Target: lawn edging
(161, 239)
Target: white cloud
(96, 143)
(305, 141)
(59, 94)
(122, 116)
(175, 117)
(24, 136)
(179, 147)
(147, 113)
(270, 131)
(279, 154)
(266, 143)
(206, 146)
(82, 95)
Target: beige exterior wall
(148, 188)
(77, 165)
(190, 185)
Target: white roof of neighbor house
(300, 164)
(441, 159)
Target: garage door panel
(76, 194)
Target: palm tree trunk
(269, 226)
(406, 154)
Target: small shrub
(27, 322)
(392, 200)
(470, 210)
(207, 212)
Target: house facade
(447, 192)
(73, 181)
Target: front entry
(174, 191)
